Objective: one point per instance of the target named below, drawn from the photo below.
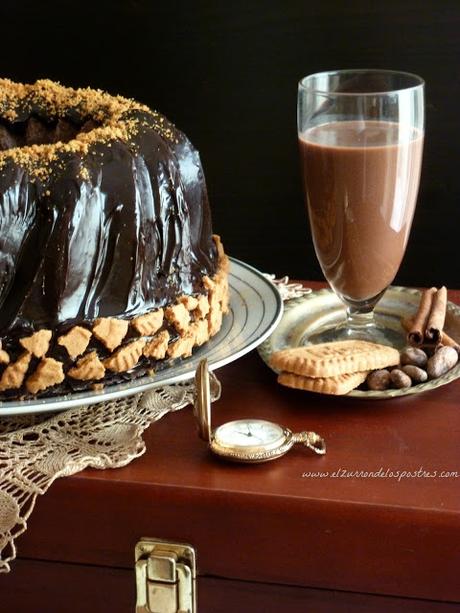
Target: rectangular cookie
(338, 385)
(331, 359)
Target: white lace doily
(36, 450)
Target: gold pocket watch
(244, 440)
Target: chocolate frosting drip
(119, 231)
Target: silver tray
(321, 308)
(255, 310)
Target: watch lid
(202, 401)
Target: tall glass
(361, 141)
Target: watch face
(249, 433)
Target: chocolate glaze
(130, 236)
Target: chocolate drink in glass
(361, 172)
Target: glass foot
(361, 323)
(373, 333)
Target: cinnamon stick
(437, 316)
(408, 323)
(416, 332)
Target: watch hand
(244, 434)
(257, 438)
(248, 434)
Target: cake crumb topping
(106, 119)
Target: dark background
(226, 73)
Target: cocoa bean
(400, 379)
(414, 356)
(442, 361)
(418, 375)
(378, 380)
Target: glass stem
(360, 319)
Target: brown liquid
(361, 181)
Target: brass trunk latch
(165, 577)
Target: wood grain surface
(72, 588)
(289, 522)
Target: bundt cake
(108, 266)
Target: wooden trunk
(293, 535)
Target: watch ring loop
(312, 440)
